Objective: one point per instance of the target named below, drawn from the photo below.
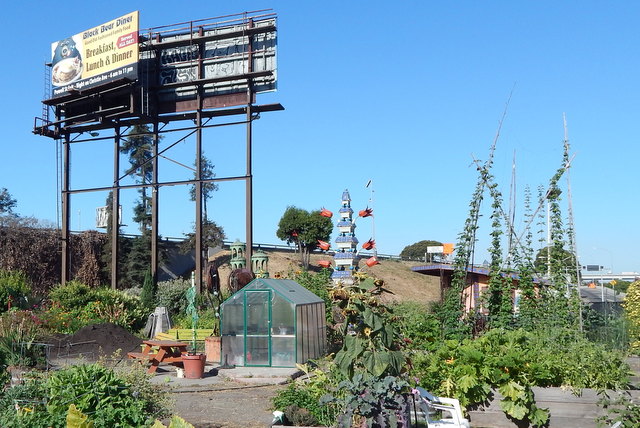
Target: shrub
(14, 288)
(632, 310)
(72, 295)
(372, 401)
(110, 399)
(170, 294)
(418, 326)
(306, 392)
(514, 361)
(75, 305)
(18, 332)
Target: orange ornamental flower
(371, 243)
(367, 212)
(323, 245)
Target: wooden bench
(168, 351)
(141, 355)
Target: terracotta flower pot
(212, 349)
(194, 366)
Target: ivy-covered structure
(273, 323)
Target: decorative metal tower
(346, 255)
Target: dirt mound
(95, 340)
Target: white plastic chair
(449, 408)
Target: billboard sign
(97, 56)
(213, 57)
(102, 216)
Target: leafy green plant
(109, 398)
(371, 401)
(631, 307)
(622, 407)
(75, 305)
(371, 342)
(18, 333)
(512, 362)
(14, 288)
(418, 325)
(306, 392)
(170, 294)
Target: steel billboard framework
(190, 72)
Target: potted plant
(193, 362)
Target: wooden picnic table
(160, 351)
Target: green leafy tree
(206, 173)
(7, 203)
(304, 229)
(418, 250)
(212, 236)
(139, 146)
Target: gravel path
(227, 405)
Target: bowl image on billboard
(66, 62)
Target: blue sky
(405, 95)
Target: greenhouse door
(258, 324)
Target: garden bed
(566, 409)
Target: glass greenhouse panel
(233, 317)
(282, 312)
(233, 350)
(283, 351)
(257, 351)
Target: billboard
(217, 59)
(96, 56)
(102, 216)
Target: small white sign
(435, 250)
(102, 216)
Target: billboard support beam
(198, 198)
(154, 206)
(115, 210)
(249, 182)
(66, 212)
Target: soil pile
(95, 340)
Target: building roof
(435, 269)
(287, 288)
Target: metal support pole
(198, 195)
(249, 182)
(249, 193)
(115, 211)
(66, 212)
(154, 207)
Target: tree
(206, 173)
(212, 236)
(304, 229)
(139, 147)
(418, 250)
(7, 203)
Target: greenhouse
(273, 323)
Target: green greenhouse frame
(272, 323)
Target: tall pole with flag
(369, 186)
